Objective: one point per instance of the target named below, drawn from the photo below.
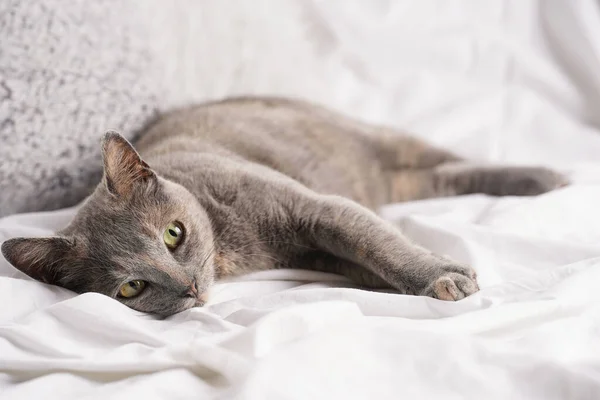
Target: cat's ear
(40, 258)
(123, 166)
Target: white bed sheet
(508, 81)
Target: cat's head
(139, 238)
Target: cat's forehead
(125, 226)
(143, 211)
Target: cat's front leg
(352, 232)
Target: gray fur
(261, 183)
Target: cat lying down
(250, 184)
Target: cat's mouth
(199, 303)
(201, 300)
(193, 302)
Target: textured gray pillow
(68, 71)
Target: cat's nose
(193, 291)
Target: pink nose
(193, 292)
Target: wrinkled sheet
(506, 81)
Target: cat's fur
(260, 183)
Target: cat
(248, 184)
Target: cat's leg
(418, 170)
(463, 178)
(326, 262)
(293, 220)
(351, 232)
(398, 152)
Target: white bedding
(510, 81)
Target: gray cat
(250, 184)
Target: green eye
(132, 288)
(173, 235)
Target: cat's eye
(173, 235)
(132, 288)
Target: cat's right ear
(42, 259)
(124, 169)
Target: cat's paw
(531, 181)
(453, 286)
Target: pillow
(68, 72)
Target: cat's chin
(191, 303)
(183, 305)
(199, 303)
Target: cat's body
(260, 183)
(326, 152)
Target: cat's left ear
(124, 169)
(42, 259)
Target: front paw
(453, 286)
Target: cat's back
(326, 151)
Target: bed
(512, 82)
